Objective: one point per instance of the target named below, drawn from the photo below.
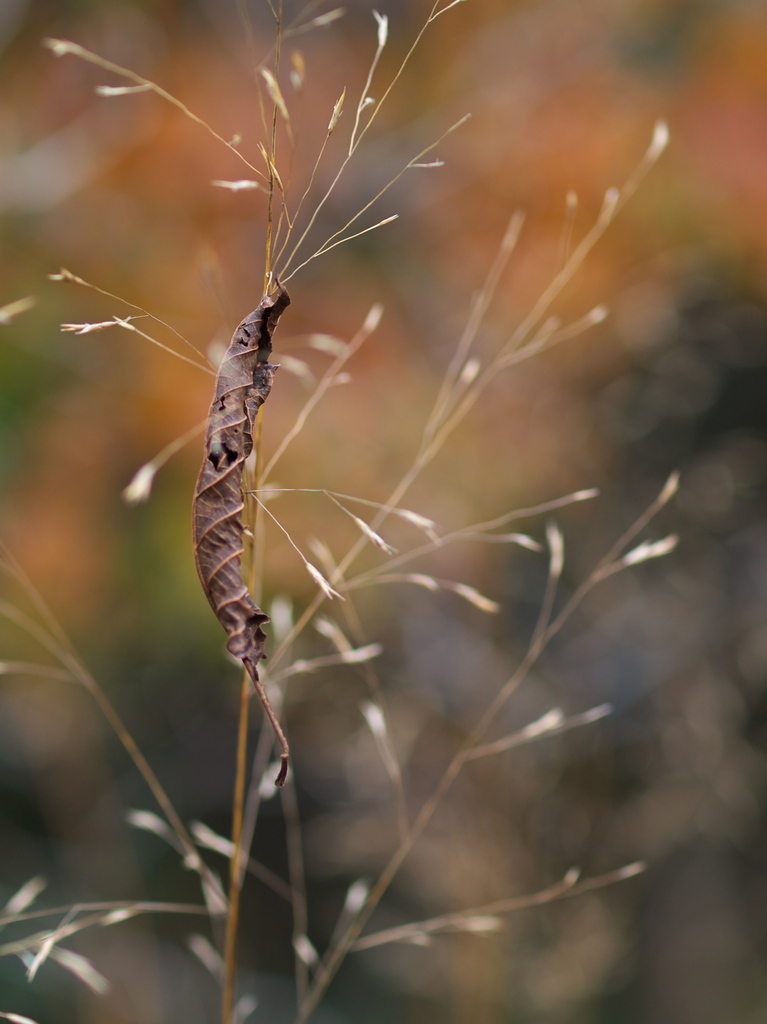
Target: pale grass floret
(239, 185)
(371, 534)
(647, 550)
(211, 840)
(337, 111)
(320, 21)
(374, 717)
(90, 328)
(244, 1007)
(473, 596)
(556, 544)
(304, 948)
(16, 308)
(75, 963)
(148, 821)
(326, 627)
(376, 721)
(422, 522)
(470, 371)
(320, 580)
(275, 93)
(25, 896)
(322, 552)
(281, 614)
(121, 90)
(298, 70)
(303, 666)
(118, 916)
(274, 174)
(140, 486)
(327, 343)
(209, 957)
(356, 895)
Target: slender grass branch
(235, 868)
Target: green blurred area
(563, 98)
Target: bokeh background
(563, 96)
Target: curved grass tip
(670, 488)
(373, 319)
(140, 487)
(60, 46)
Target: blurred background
(563, 96)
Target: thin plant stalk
(235, 870)
(297, 876)
(273, 153)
